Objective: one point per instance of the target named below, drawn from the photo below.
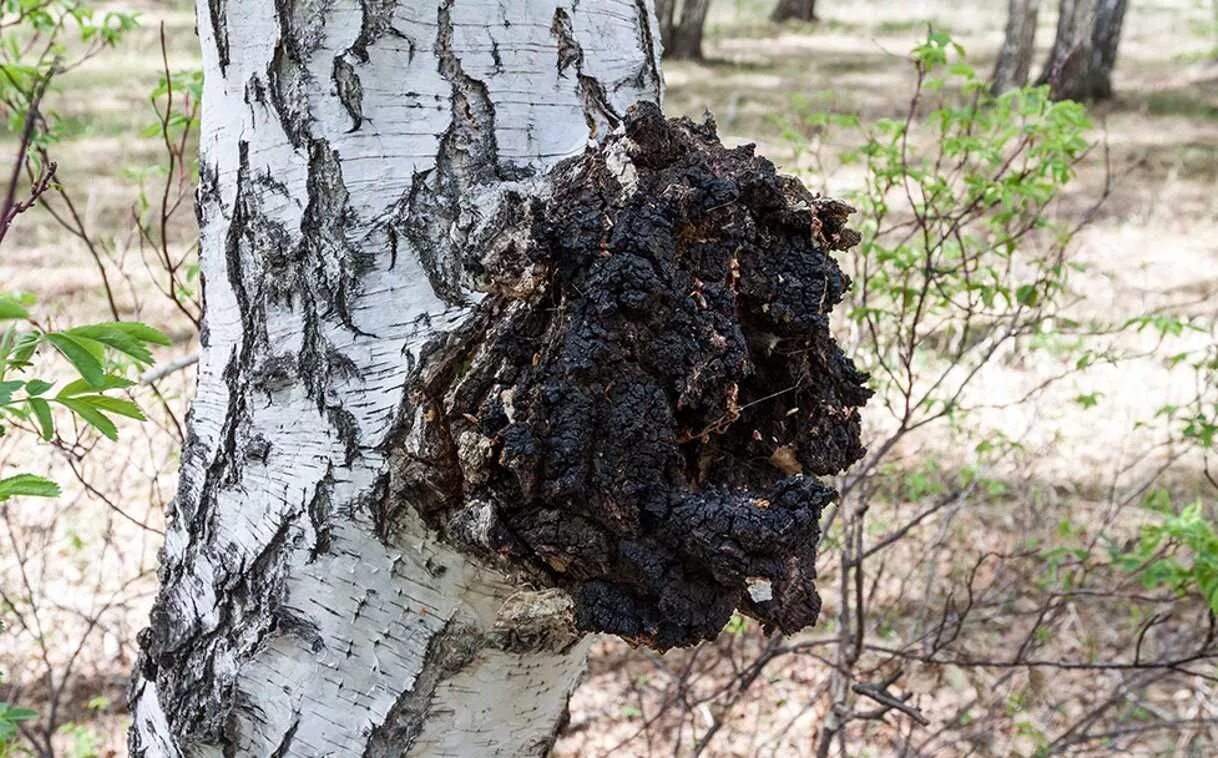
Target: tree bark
(1019, 41)
(1105, 39)
(1085, 49)
(681, 29)
(350, 151)
(794, 10)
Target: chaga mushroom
(649, 388)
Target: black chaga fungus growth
(649, 386)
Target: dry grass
(1151, 247)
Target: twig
(154, 375)
(882, 696)
(11, 206)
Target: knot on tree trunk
(638, 408)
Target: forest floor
(81, 569)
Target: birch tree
(494, 356)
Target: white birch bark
(349, 148)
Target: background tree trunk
(348, 151)
(681, 28)
(1085, 49)
(1105, 39)
(794, 10)
(666, 11)
(1019, 41)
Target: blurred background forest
(1025, 563)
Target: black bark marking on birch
(628, 412)
(448, 651)
(467, 158)
(651, 67)
(283, 749)
(597, 107)
(218, 13)
(319, 509)
(350, 91)
(375, 23)
(286, 78)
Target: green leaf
(37, 387)
(11, 309)
(81, 387)
(23, 350)
(144, 333)
(128, 338)
(27, 485)
(42, 412)
(108, 335)
(114, 405)
(92, 417)
(1089, 400)
(7, 389)
(18, 714)
(1027, 295)
(81, 358)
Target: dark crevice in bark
(496, 57)
(467, 158)
(225, 467)
(319, 510)
(651, 66)
(285, 745)
(343, 422)
(191, 692)
(350, 91)
(256, 93)
(302, 31)
(376, 22)
(598, 111)
(632, 411)
(448, 651)
(218, 14)
(286, 78)
(327, 266)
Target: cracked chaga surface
(647, 393)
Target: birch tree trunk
(794, 10)
(1019, 41)
(348, 150)
(1084, 50)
